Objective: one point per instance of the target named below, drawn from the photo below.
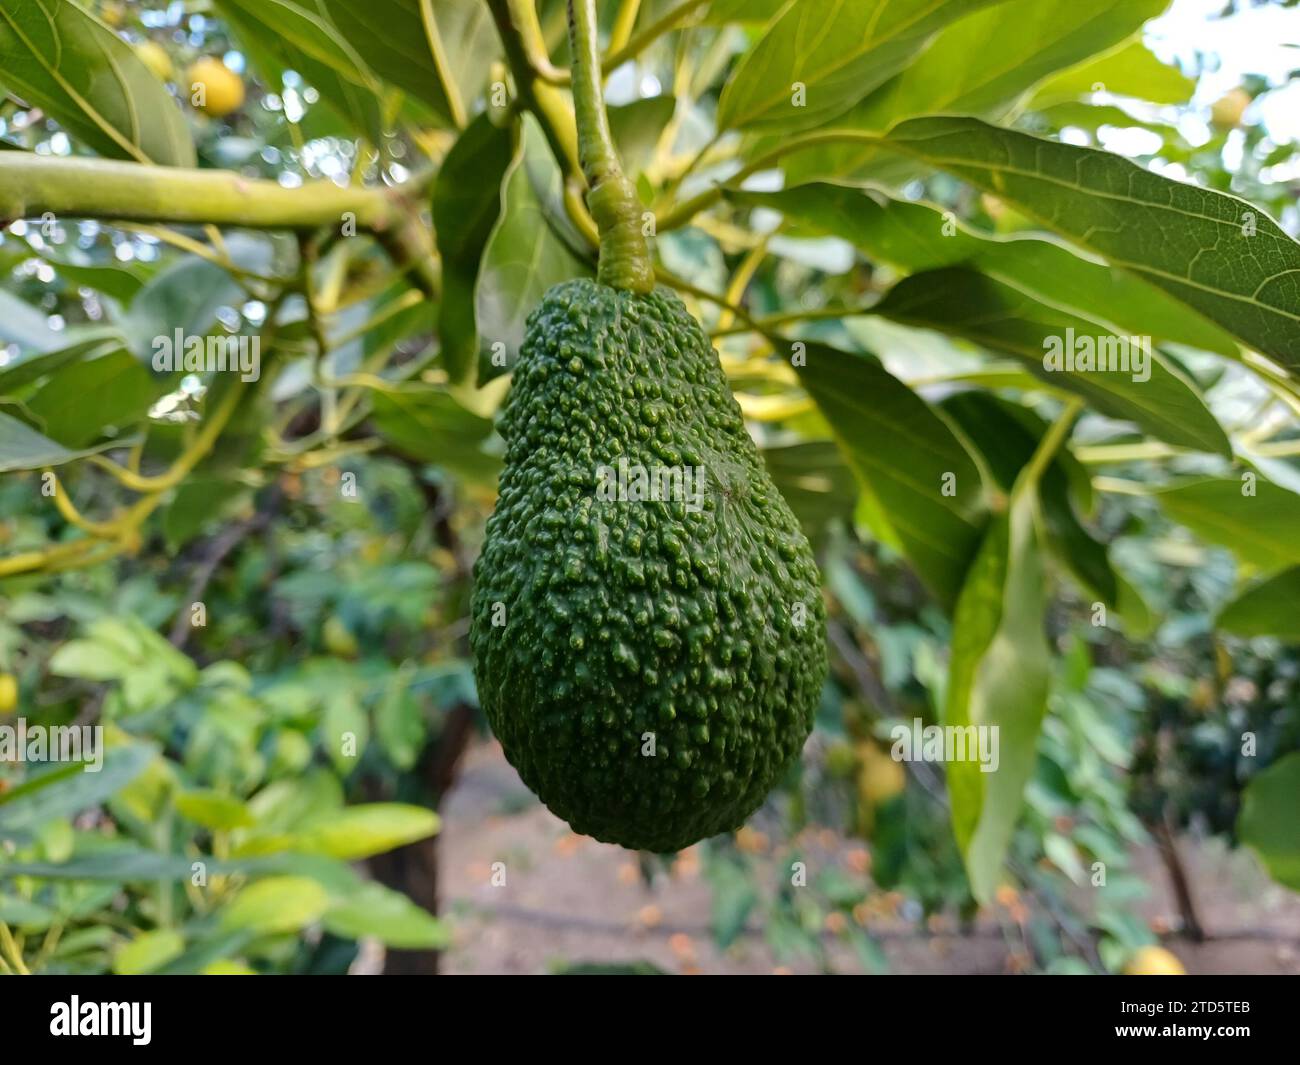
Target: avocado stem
(611, 197)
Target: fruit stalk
(624, 257)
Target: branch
(33, 185)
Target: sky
(1262, 40)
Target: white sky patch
(1257, 40)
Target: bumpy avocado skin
(702, 626)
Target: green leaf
(1268, 824)
(427, 423)
(407, 49)
(121, 281)
(1007, 435)
(118, 865)
(466, 205)
(734, 897)
(23, 448)
(723, 11)
(81, 399)
(904, 455)
(399, 720)
(1270, 607)
(42, 363)
(389, 916)
(814, 480)
(524, 256)
(68, 63)
(196, 504)
(1253, 518)
(345, 730)
(998, 678)
(636, 128)
(185, 296)
(1129, 70)
(837, 51)
(917, 237)
(213, 809)
(69, 789)
(971, 305)
(276, 905)
(26, 326)
(352, 94)
(360, 831)
(957, 74)
(91, 660)
(147, 952)
(1220, 255)
(20, 913)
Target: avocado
(648, 628)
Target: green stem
(35, 185)
(31, 185)
(624, 257)
(1052, 441)
(683, 212)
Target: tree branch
(34, 185)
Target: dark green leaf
(975, 306)
(408, 43)
(428, 424)
(1218, 254)
(524, 255)
(904, 455)
(917, 237)
(80, 400)
(466, 205)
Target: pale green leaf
(836, 51)
(59, 58)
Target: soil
(527, 895)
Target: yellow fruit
(338, 639)
(215, 89)
(1154, 961)
(155, 57)
(1226, 111)
(880, 777)
(8, 693)
(112, 12)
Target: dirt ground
(568, 900)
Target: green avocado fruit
(648, 628)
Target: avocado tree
(1031, 403)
